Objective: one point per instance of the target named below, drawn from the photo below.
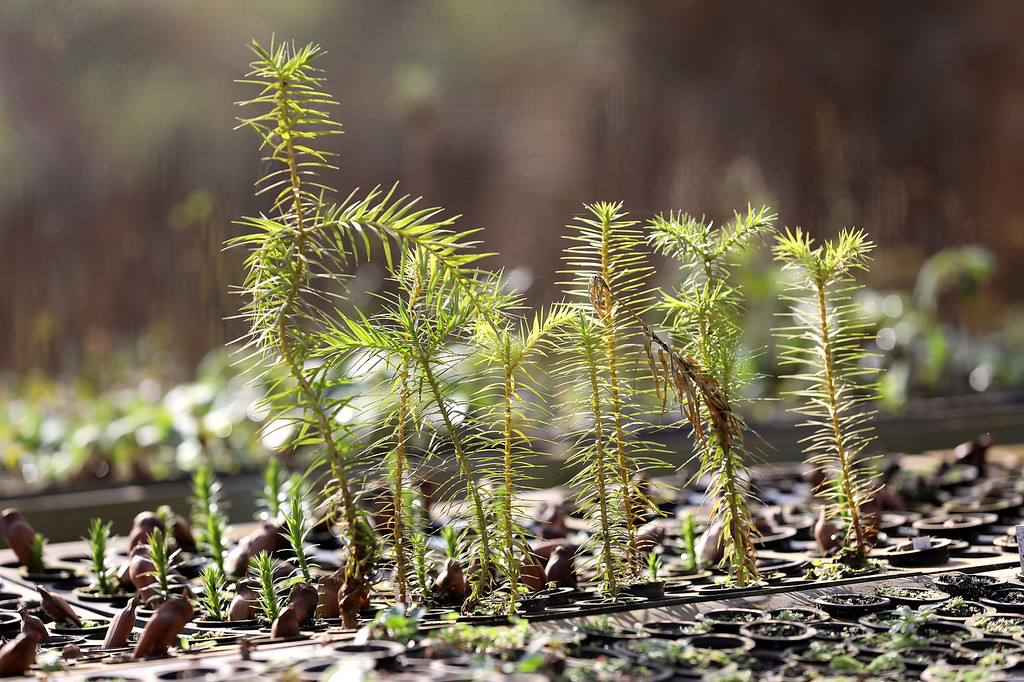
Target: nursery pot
(955, 526)
(653, 589)
(729, 620)
(1007, 600)
(935, 555)
(1005, 507)
(797, 614)
(913, 597)
(851, 605)
(967, 585)
(774, 634)
(49, 574)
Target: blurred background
(123, 173)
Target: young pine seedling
(410, 339)
(36, 549)
(704, 316)
(205, 493)
(825, 313)
(164, 561)
(208, 519)
(653, 565)
(509, 348)
(594, 453)
(262, 565)
(608, 247)
(103, 574)
(297, 267)
(454, 541)
(421, 566)
(689, 536)
(275, 489)
(295, 251)
(212, 597)
(297, 526)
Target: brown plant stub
(57, 608)
(18, 534)
(163, 628)
(17, 655)
(32, 626)
(121, 626)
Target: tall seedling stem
(284, 320)
(610, 247)
(597, 475)
(509, 348)
(829, 319)
(704, 318)
(298, 267)
(426, 359)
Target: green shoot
(689, 535)
(212, 538)
(705, 321)
(275, 489)
(205, 493)
(653, 565)
(36, 549)
(597, 475)
(454, 541)
(297, 267)
(263, 566)
(508, 349)
(104, 575)
(163, 560)
(292, 253)
(208, 519)
(453, 312)
(421, 568)
(825, 315)
(297, 526)
(609, 247)
(211, 592)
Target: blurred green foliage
(122, 177)
(57, 432)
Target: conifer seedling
(825, 345)
(705, 322)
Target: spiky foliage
(609, 246)
(398, 466)
(211, 595)
(297, 526)
(208, 519)
(416, 335)
(262, 566)
(36, 549)
(386, 340)
(689, 538)
(508, 347)
(433, 368)
(275, 489)
(704, 316)
(164, 567)
(290, 251)
(654, 565)
(594, 451)
(390, 340)
(104, 575)
(297, 268)
(830, 368)
(421, 568)
(453, 541)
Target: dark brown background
(122, 175)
